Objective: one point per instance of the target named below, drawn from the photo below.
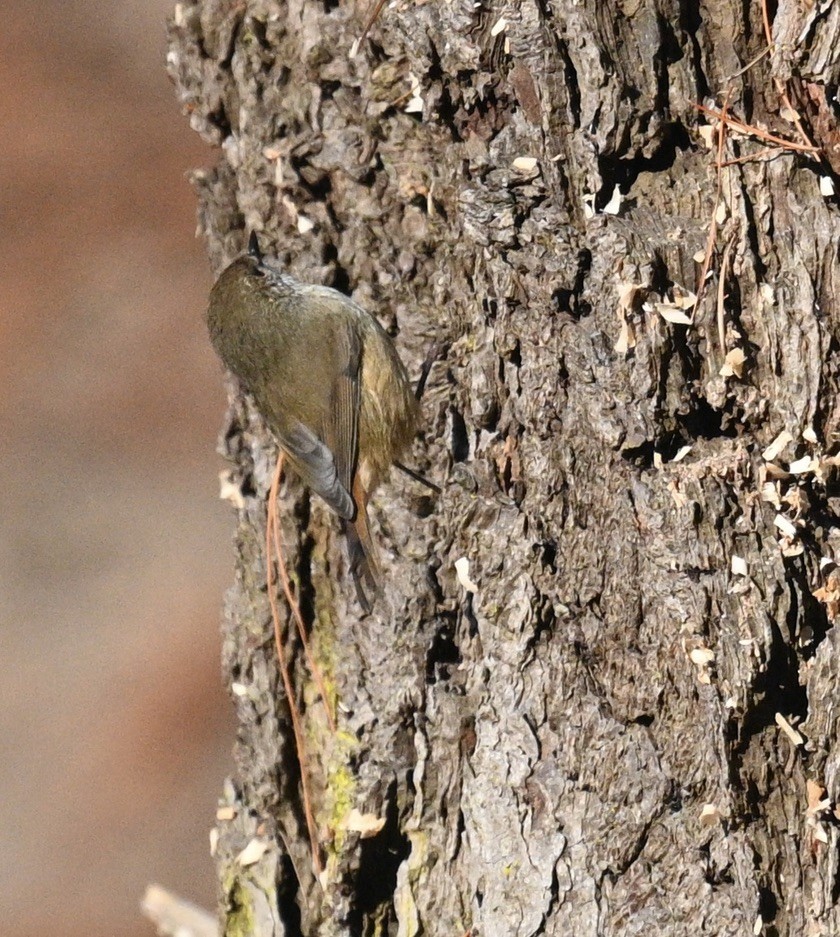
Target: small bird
(328, 381)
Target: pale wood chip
(702, 656)
(613, 206)
(733, 363)
(789, 730)
(175, 917)
(462, 568)
(253, 852)
(525, 163)
(739, 566)
(671, 313)
(786, 526)
(366, 824)
(778, 446)
(710, 815)
(803, 465)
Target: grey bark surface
(542, 749)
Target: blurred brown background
(114, 548)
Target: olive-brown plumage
(327, 379)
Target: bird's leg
(413, 473)
(434, 353)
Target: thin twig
(780, 87)
(768, 153)
(751, 131)
(295, 607)
(724, 266)
(752, 62)
(710, 240)
(272, 544)
(377, 9)
(768, 32)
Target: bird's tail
(361, 551)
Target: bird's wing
(323, 449)
(340, 425)
(316, 465)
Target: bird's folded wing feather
(325, 454)
(315, 464)
(341, 419)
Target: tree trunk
(619, 717)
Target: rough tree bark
(589, 742)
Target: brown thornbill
(328, 381)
